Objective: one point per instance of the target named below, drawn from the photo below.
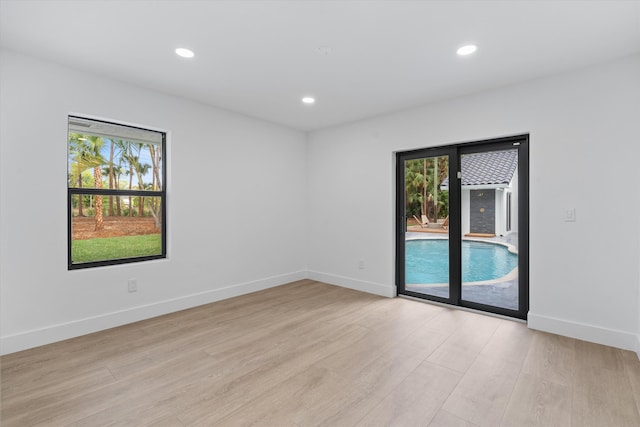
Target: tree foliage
(111, 161)
(423, 178)
(85, 151)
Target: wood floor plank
(276, 407)
(632, 372)
(590, 355)
(130, 414)
(551, 357)
(603, 397)
(88, 351)
(367, 388)
(460, 350)
(449, 320)
(56, 382)
(538, 402)
(417, 398)
(63, 409)
(447, 419)
(510, 342)
(22, 408)
(312, 354)
(246, 381)
(324, 397)
(482, 395)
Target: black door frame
(521, 142)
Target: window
(508, 215)
(116, 200)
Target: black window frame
(162, 194)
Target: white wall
(465, 211)
(500, 208)
(515, 202)
(584, 128)
(235, 195)
(585, 280)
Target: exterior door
(426, 208)
(482, 212)
(462, 225)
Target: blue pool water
(427, 261)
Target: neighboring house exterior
(489, 192)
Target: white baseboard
(359, 285)
(63, 331)
(582, 331)
(59, 332)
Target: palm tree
(75, 175)
(443, 195)
(123, 168)
(78, 150)
(129, 156)
(423, 178)
(141, 170)
(417, 180)
(156, 183)
(107, 170)
(156, 157)
(117, 171)
(86, 153)
(96, 158)
(110, 174)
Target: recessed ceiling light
(308, 100)
(185, 53)
(467, 50)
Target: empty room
(302, 213)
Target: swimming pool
(427, 261)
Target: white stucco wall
(322, 217)
(584, 276)
(225, 170)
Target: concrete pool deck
(502, 292)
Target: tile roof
(488, 168)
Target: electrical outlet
(361, 264)
(570, 215)
(132, 285)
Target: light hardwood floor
(307, 354)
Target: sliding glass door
(489, 225)
(462, 225)
(426, 206)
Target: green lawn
(115, 247)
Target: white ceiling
(260, 57)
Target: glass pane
(427, 236)
(489, 228)
(107, 155)
(114, 227)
